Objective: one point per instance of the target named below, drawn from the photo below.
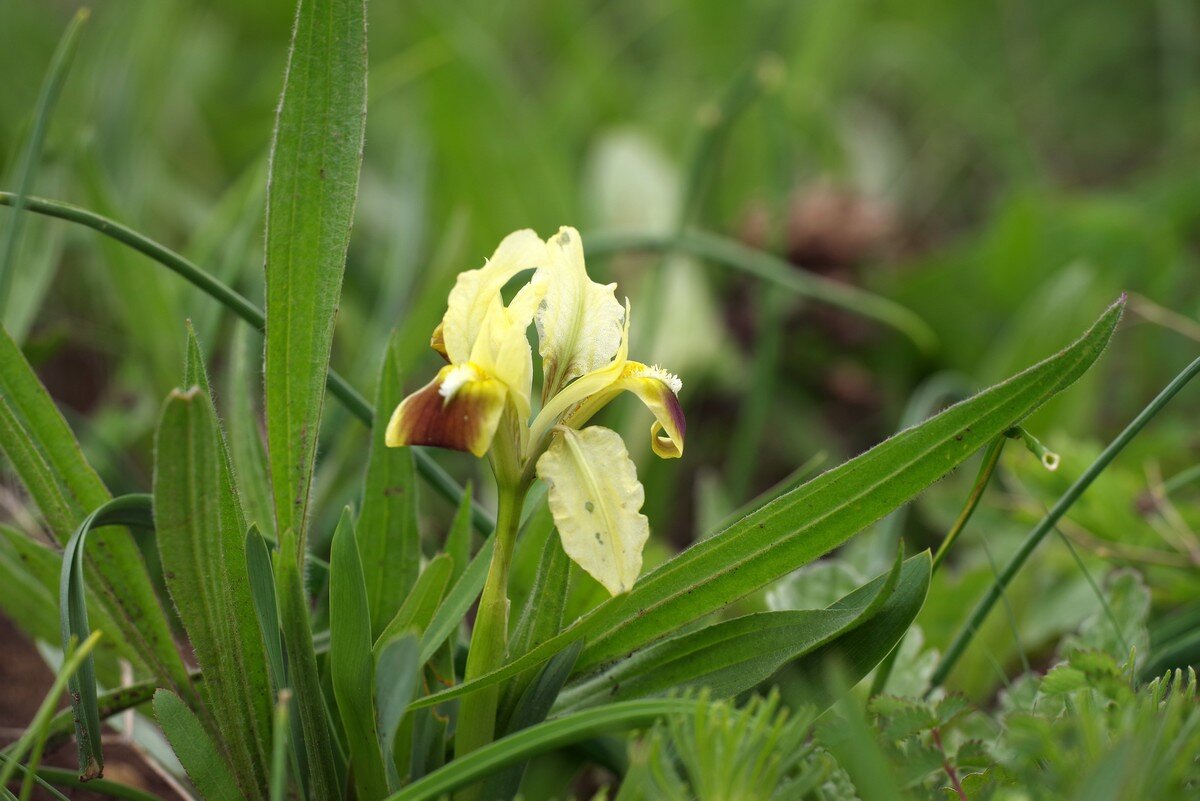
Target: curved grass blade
(769, 267)
(809, 521)
(198, 754)
(126, 510)
(56, 75)
(351, 662)
(354, 402)
(539, 739)
(45, 454)
(311, 191)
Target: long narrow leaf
(311, 192)
(811, 520)
(202, 545)
(387, 532)
(351, 662)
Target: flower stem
(489, 639)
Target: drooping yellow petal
(579, 321)
(582, 388)
(475, 291)
(459, 409)
(656, 388)
(595, 498)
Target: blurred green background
(1003, 169)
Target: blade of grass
(1047, 524)
(355, 403)
(199, 755)
(279, 747)
(539, 739)
(56, 75)
(771, 268)
(34, 738)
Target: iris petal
(459, 409)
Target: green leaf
(304, 680)
(396, 675)
(311, 191)
(733, 656)
(74, 625)
(243, 380)
(351, 662)
(855, 653)
(531, 709)
(44, 453)
(457, 602)
(266, 612)
(202, 545)
(809, 521)
(56, 75)
(458, 539)
(197, 752)
(539, 739)
(422, 603)
(387, 532)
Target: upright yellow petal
(579, 321)
(475, 291)
(459, 409)
(656, 388)
(502, 348)
(595, 498)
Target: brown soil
(24, 682)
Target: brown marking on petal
(465, 422)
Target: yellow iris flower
(482, 400)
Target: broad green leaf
(44, 453)
(197, 752)
(303, 678)
(810, 520)
(311, 192)
(387, 532)
(351, 662)
(202, 545)
(396, 673)
(419, 608)
(735, 655)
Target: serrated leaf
(902, 718)
(807, 522)
(201, 542)
(312, 186)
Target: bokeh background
(1004, 169)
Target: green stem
(355, 403)
(771, 268)
(1047, 524)
(489, 639)
(991, 458)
